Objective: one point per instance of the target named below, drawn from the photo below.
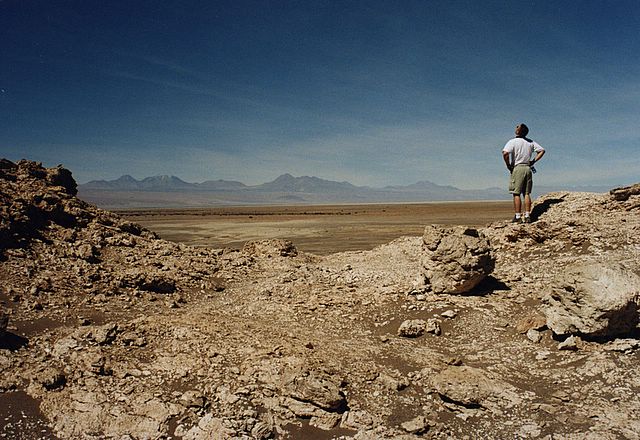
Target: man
(517, 156)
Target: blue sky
(373, 92)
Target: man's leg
(527, 208)
(527, 203)
(517, 206)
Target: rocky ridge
(500, 332)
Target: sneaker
(516, 219)
(526, 220)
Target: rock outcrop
(623, 194)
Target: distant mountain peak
(126, 178)
(304, 184)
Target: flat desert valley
(318, 229)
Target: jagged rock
(7, 165)
(623, 345)
(60, 176)
(94, 362)
(262, 430)
(623, 193)
(104, 334)
(456, 259)
(87, 252)
(193, 399)
(534, 321)
(392, 383)
(595, 300)
(150, 282)
(131, 228)
(412, 328)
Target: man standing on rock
(517, 156)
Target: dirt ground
(320, 230)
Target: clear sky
(376, 92)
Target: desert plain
(317, 229)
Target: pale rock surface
(534, 335)
(474, 388)
(412, 328)
(571, 343)
(594, 299)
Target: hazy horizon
(141, 178)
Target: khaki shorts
(521, 180)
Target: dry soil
(319, 229)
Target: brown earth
(319, 229)
(115, 333)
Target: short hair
(522, 129)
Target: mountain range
(171, 191)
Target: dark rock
(157, 284)
(4, 322)
(60, 176)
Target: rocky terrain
(508, 331)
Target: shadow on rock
(11, 341)
(486, 287)
(541, 208)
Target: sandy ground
(317, 229)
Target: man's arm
(507, 160)
(538, 157)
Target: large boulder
(456, 259)
(593, 299)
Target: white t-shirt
(521, 150)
